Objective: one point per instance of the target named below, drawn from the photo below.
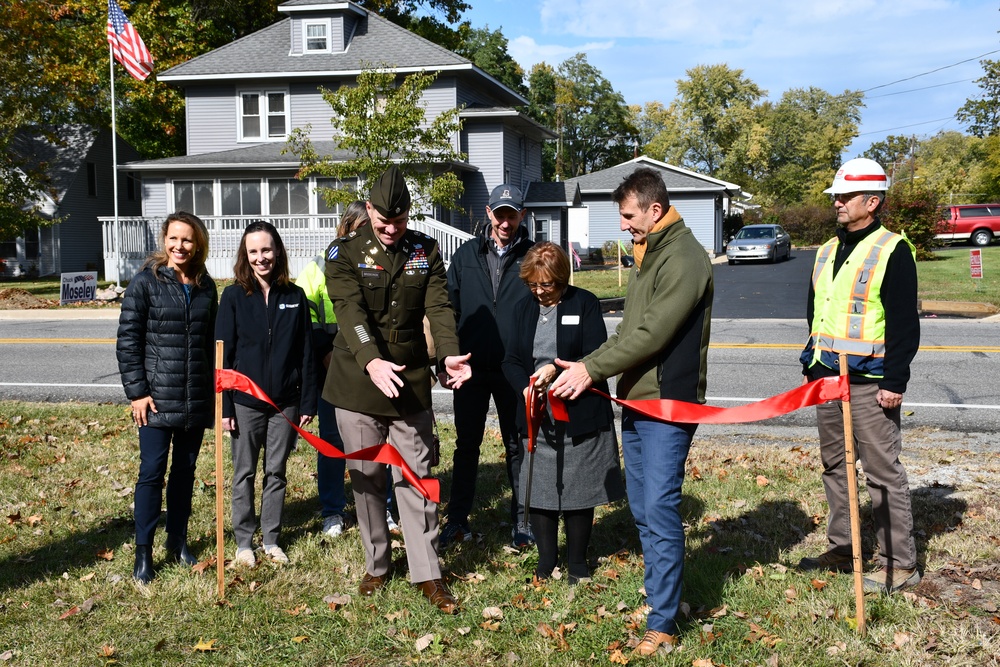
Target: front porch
(127, 246)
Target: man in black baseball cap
(484, 285)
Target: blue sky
(643, 46)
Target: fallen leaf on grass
(72, 611)
(201, 567)
(302, 608)
(88, 577)
(301, 639)
(423, 642)
(762, 481)
(818, 584)
(87, 605)
(205, 646)
(464, 630)
(13, 519)
(107, 651)
(34, 520)
(106, 554)
(396, 615)
(976, 584)
(335, 602)
(839, 647)
(703, 662)
(900, 639)
(493, 614)
(492, 626)
(617, 657)
(719, 612)
(6, 655)
(695, 473)
(611, 574)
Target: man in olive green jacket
(383, 279)
(660, 350)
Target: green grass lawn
(752, 507)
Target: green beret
(389, 194)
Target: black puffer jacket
(165, 348)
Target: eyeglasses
(534, 286)
(847, 196)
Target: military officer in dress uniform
(383, 280)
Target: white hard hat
(859, 175)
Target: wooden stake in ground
(220, 542)
(850, 463)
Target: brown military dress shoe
(439, 595)
(371, 584)
(652, 641)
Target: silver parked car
(768, 242)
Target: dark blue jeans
(655, 454)
(330, 471)
(154, 448)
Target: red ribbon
(429, 487)
(818, 391)
(533, 413)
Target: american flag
(126, 44)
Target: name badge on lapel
(570, 319)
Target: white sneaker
(245, 557)
(274, 552)
(333, 525)
(393, 526)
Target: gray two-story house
(244, 99)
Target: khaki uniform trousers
(878, 443)
(412, 436)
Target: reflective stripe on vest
(849, 317)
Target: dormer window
(263, 115)
(317, 36)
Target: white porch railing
(126, 249)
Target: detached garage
(701, 200)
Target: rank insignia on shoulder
(352, 234)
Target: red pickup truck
(978, 224)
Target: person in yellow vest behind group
(329, 470)
(863, 302)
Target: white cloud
(528, 53)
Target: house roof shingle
(60, 160)
(561, 193)
(266, 54)
(676, 178)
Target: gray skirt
(572, 473)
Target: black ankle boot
(177, 550)
(143, 570)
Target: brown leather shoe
(652, 641)
(371, 584)
(439, 595)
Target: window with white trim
(287, 196)
(263, 115)
(240, 197)
(316, 36)
(196, 197)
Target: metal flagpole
(114, 170)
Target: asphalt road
(762, 290)
(955, 381)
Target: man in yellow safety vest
(863, 302)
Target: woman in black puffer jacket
(166, 362)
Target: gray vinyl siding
(338, 35)
(81, 245)
(484, 145)
(698, 212)
(466, 95)
(604, 220)
(211, 115)
(154, 197)
(438, 98)
(309, 108)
